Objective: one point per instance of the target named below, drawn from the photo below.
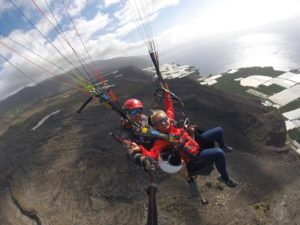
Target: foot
(230, 182)
(227, 148)
(192, 188)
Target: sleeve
(169, 109)
(155, 150)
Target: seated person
(163, 121)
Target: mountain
(71, 171)
(120, 62)
(110, 65)
(50, 87)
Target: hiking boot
(227, 148)
(192, 188)
(230, 182)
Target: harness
(196, 166)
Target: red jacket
(161, 145)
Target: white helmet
(169, 163)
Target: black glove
(135, 157)
(148, 163)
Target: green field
(270, 90)
(294, 134)
(227, 81)
(265, 71)
(291, 106)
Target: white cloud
(217, 17)
(104, 46)
(234, 15)
(87, 28)
(140, 10)
(139, 14)
(11, 80)
(229, 16)
(108, 3)
(5, 5)
(76, 7)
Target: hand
(124, 123)
(165, 85)
(134, 147)
(191, 129)
(179, 144)
(148, 163)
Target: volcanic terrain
(71, 171)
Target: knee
(219, 153)
(219, 130)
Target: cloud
(139, 15)
(11, 81)
(5, 5)
(76, 6)
(106, 45)
(136, 11)
(108, 3)
(235, 15)
(87, 28)
(34, 66)
(103, 36)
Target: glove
(191, 129)
(179, 145)
(165, 85)
(148, 163)
(124, 123)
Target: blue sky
(109, 29)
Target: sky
(37, 35)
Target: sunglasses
(162, 121)
(134, 112)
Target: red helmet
(132, 103)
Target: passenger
(134, 109)
(163, 121)
(135, 122)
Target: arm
(169, 109)
(154, 152)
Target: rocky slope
(70, 171)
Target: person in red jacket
(163, 121)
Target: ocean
(277, 46)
